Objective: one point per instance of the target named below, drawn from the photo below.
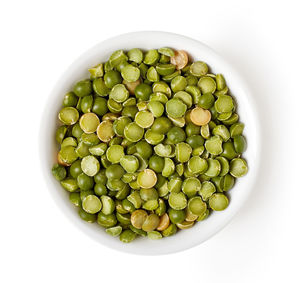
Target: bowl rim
(123, 38)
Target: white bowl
(147, 40)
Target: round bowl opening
(149, 40)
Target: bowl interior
(148, 40)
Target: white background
(39, 39)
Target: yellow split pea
(200, 116)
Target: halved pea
(162, 87)
(156, 108)
(185, 225)
(175, 108)
(130, 73)
(214, 145)
(238, 167)
(144, 119)
(91, 204)
(135, 199)
(59, 172)
(130, 163)
(97, 71)
(203, 216)
(153, 138)
(239, 143)
(218, 202)
(198, 69)
(69, 184)
(147, 179)
(152, 75)
(61, 132)
(163, 189)
(143, 162)
(151, 223)
(207, 190)
(114, 231)
(221, 92)
(108, 205)
(98, 149)
(88, 217)
(82, 150)
(90, 165)
(69, 141)
(151, 204)
(90, 139)
(205, 131)
(236, 129)
(136, 55)
(179, 122)
(133, 132)
(120, 124)
(207, 85)
(191, 186)
(131, 101)
(221, 83)
(165, 69)
(67, 155)
(214, 168)
(176, 135)
(75, 199)
(114, 153)
(164, 150)
(190, 216)
(183, 152)
(164, 222)
(221, 131)
(229, 151)
(224, 165)
(100, 88)
(119, 93)
(178, 83)
(106, 221)
(113, 106)
(148, 194)
(233, 119)
(196, 205)
(138, 231)
(227, 182)
(127, 236)
(200, 116)
(197, 165)
(198, 151)
(110, 116)
(161, 207)
(179, 169)
(180, 59)
(166, 51)
(174, 185)
(169, 167)
(177, 200)
(141, 105)
(105, 131)
(224, 116)
(86, 103)
(129, 177)
(159, 96)
(151, 57)
(154, 235)
(117, 57)
(68, 115)
(224, 103)
(171, 230)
